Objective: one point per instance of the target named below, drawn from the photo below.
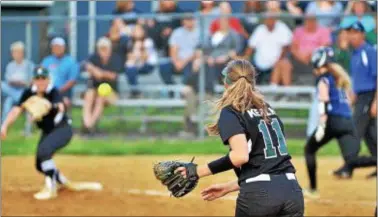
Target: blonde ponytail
(341, 76)
(240, 94)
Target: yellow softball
(104, 89)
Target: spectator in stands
(305, 40)
(103, 67)
(141, 57)
(118, 38)
(126, 9)
(273, 7)
(226, 10)
(224, 45)
(182, 45)
(18, 75)
(326, 8)
(64, 70)
(341, 49)
(358, 12)
(296, 8)
(269, 43)
(161, 28)
(207, 8)
(251, 21)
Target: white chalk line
(153, 192)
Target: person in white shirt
(269, 43)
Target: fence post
(201, 85)
(92, 26)
(28, 44)
(73, 28)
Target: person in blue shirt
(363, 69)
(63, 69)
(335, 114)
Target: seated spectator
(296, 8)
(161, 28)
(141, 57)
(103, 67)
(269, 43)
(341, 49)
(251, 8)
(207, 8)
(223, 46)
(305, 40)
(326, 8)
(226, 10)
(63, 69)
(118, 38)
(182, 45)
(357, 11)
(126, 9)
(18, 75)
(274, 8)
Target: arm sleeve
(74, 71)
(25, 95)
(7, 72)
(229, 125)
(288, 35)
(372, 56)
(254, 39)
(56, 96)
(173, 41)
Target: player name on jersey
(257, 113)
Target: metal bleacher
(155, 95)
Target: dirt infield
(131, 189)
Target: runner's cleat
(49, 191)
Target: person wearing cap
(63, 69)
(363, 69)
(56, 131)
(103, 67)
(18, 75)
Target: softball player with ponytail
(333, 86)
(46, 107)
(258, 152)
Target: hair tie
(245, 78)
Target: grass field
(18, 144)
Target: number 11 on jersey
(270, 150)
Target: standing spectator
(357, 11)
(118, 38)
(126, 9)
(305, 40)
(226, 10)
(103, 67)
(223, 46)
(18, 75)
(182, 45)
(207, 8)
(251, 8)
(270, 43)
(326, 8)
(363, 69)
(142, 57)
(63, 69)
(342, 51)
